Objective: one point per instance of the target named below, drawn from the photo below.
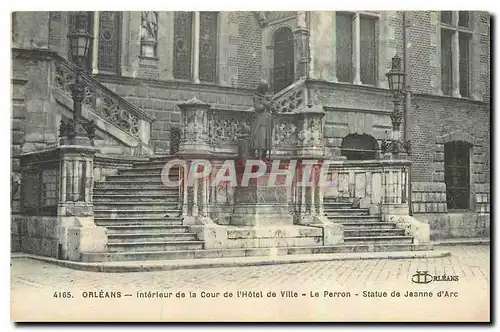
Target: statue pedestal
(259, 204)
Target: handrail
(102, 100)
(291, 98)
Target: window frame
(356, 44)
(195, 35)
(455, 31)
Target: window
(457, 174)
(356, 54)
(109, 42)
(464, 61)
(446, 62)
(446, 17)
(182, 45)
(200, 53)
(284, 74)
(456, 36)
(344, 47)
(367, 50)
(208, 46)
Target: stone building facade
(151, 61)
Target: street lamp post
(397, 85)
(78, 131)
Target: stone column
(310, 201)
(356, 54)
(196, 47)
(95, 44)
(301, 46)
(77, 230)
(194, 135)
(455, 58)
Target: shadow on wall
(360, 147)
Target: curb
(201, 263)
(463, 242)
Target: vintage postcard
(250, 166)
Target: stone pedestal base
(233, 237)
(333, 233)
(261, 215)
(259, 204)
(80, 234)
(395, 209)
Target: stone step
(354, 218)
(378, 239)
(343, 212)
(148, 214)
(145, 228)
(148, 168)
(371, 225)
(111, 196)
(135, 185)
(155, 205)
(150, 237)
(155, 246)
(247, 252)
(147, 222)
(138, 219)
(327, 204)
(140, 178)
(157, 162)
(363, 232)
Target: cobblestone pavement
(471, 264)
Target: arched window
(457, 174)
(284, 72)
(359, 147)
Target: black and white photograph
(250, 166)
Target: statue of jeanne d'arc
(262, 126)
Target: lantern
(80, 38)
(396, 76)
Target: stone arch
(359, 147)
(458, 135)
(283, 57)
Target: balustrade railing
(291, 99)
(103, 102)
(372, 181)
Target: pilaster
(196, 47)
(356, 59)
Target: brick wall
(420, 51)
(431, 117)
(249, 55)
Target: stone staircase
(363, 229)
(144, 222)
(140, 213)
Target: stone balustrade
(297, 128)
(371, 183)
(104, 103)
